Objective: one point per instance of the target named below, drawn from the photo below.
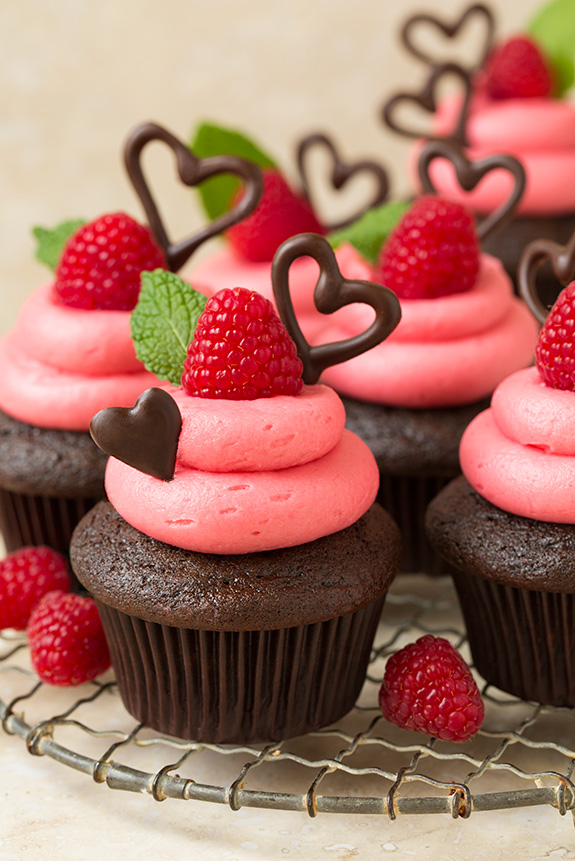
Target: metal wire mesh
(523, 756)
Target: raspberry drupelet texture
(26, 575)
(67, 642)
(555, 349)
(101, 264)
(432, 252)
(517, 69)
(241, 350)
(428, 687)
(280, 214)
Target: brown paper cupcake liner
(240, 687)
(522, 641)
(33, 520)
(406, 498)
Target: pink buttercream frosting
(446, 351)
(313, 479)
(60, 365)
(520, 454)
(539, 132)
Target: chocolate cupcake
(462, 330)
(508, 526)
(514, 100)
(71, 354)
(241, 563)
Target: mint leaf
(218, 192)
(369, 232)
(51, 242)
(554, 29)
(164, 321)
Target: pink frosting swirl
(287, 473)
(60, 365)
(520, 454)
(539, 132)
(444, 352)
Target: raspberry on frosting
(555, 350)
(101, 263)
(241, 350)
(433, 251)
(517, 69)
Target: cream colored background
(77, 75)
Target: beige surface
(77, 75)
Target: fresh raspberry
(101, 264)
(428, 687)
(25, 577)
(279, 215)
(518, 70)
(241, 350)
(433, 251)
(555, 350)
(67, 643)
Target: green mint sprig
(553, 28)
(369, 232)
(50, 243)
(218, 192)
(164, 321)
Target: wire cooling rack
(523, 756)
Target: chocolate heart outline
(562, 259)
(425, 98)
(469, 173)
(191, 170)
(144, 436)
(450, 30)
(331, 292)
(341, 173)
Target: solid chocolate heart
(332, 291)
(562, 259)
(341, 173)
(426, 98)
(192, 171)
(450, 31)
(144, 436)
(469, 174)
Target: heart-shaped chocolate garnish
(332, 291)
(144, 436)
(562, 259)
(341, 173)
(469, 174)
(450, 31)
(426, 98)
(192, 171)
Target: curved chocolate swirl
(192, 171)
(450, 30)
(426, 98)
(469, 174)
(562, 259)
(341, 172)
(332, 291)
(144, 436)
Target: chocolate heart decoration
(144, 436)
(332, 291)
(192, 171)
(451, 31)
(341, 173)
(562, 259)
(469, 174)
(426, 99)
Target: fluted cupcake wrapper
(406, 498)
(33, 520)
(240, 687)
(522, 641)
